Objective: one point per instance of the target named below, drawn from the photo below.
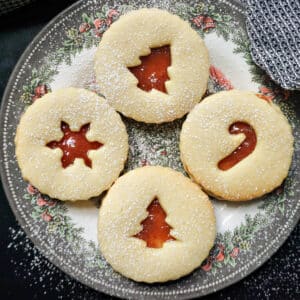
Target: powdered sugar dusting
(233, 257)
(80, 73)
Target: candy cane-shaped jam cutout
(243, 150)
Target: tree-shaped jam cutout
(156, 231)
(243, 150)
(152, 72)
(74, 144)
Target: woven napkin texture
(274, 30)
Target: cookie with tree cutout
(155, 225)
(152, 66)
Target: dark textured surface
(25, 273)
(9, 5)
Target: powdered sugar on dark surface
(276, 279)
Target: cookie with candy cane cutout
(155, 225)
(71, 144)
(152, 66)
(236, 145)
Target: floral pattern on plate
(62, 55)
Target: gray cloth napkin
(274, 31)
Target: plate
(62, 55)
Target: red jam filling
(152, 72)
(243, 150)
(264, 97)
(74, 144)
(156, 230)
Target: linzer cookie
(155, 225)
(152, 66)
(236, 145)
(71, 144)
